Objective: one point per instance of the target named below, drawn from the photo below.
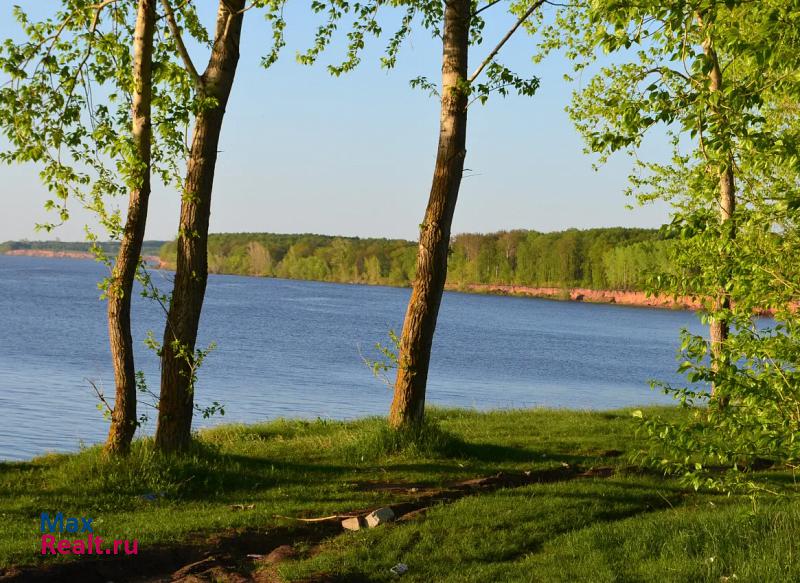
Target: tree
(178, 356)
(721, 78)
(372, 268)
(458, 23)
(120, 289)
(594, 258)
(420, 321)
(260, 260)
(723, 166)
(677, 81)
(70, 97)
(419, 325)
(79, 104)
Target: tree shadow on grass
(490, 452)
(526, 530)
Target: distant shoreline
(152, 259)
(606, 296)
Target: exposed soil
(220, 557)
(602, 296)
(250, 555)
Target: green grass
(633, 526)
(616, 530)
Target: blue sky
(305, 152)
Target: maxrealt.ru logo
(91, 545)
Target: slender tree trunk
(180, 335)
(123, 418)
(408, 406)
(718, 327)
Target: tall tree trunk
(408, 406)
(718, 327)
(180, 335)
(120, 290)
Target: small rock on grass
(242, 506)
(399, 569)
(380, 516)
(280, 554)
(352, 523)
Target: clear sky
(302, 151)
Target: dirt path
(250, 555)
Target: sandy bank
(153, 260)
(622, 297)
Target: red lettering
(135, 549)
(48, 544)
(64, 547)
(117, 543)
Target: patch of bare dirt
(249, 555)
(222, 557)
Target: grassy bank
(596, 517)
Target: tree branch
(184, 54)
(482, 8)
(101, 397)
(503, 41)
(253, 5)
(98, 8)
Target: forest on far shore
(605, 258)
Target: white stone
(353, 523)
(380, 516)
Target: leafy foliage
(615, 258)
(363, 22)
(718, 81)
(66, 107)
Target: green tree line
(608, 258)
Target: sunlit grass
(631, 526)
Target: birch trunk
(123, 418)
(176, 403)
(408, 405)
(719, 327)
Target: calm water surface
(293, 349)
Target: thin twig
(503, 41)
(664, 498)
(100, 396)
(320, 519)
(489, 5)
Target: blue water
(293, 349)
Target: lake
(294, 349)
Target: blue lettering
(52, 525)
(56, 523)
